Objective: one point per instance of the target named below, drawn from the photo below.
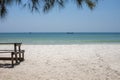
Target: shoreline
(66, 62)
(72, 44)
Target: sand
(66, 62)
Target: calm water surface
(60, 38)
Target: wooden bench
(17, 54)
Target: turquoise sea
(60, 38)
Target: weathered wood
(21, 55)
(14, 53)
(8, 51)
(12, 59)
(8, 58)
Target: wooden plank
(9, 51)
(6, 52)
(8, 58)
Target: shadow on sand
(6, 65)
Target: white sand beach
(66, 62)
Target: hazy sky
(104, 18)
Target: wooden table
(17, 50)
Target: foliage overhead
(45, 5)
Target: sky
(105, 17)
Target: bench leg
(23, 56)
(12, 59)
(16, 57)
(20, 56)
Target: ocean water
(60, 38)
